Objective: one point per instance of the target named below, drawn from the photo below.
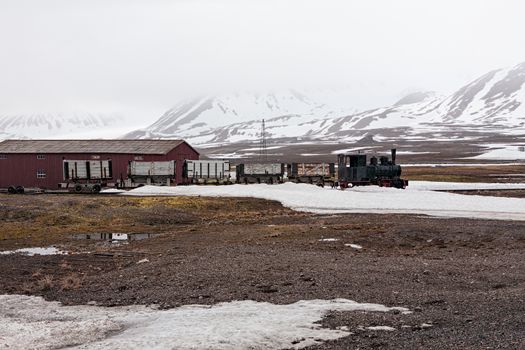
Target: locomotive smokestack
(393, 150)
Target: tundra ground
(464, 279)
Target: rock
(297, 341)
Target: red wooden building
(40, 163)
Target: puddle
(35, 251)
(114, 237)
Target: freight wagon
(142, 173)
(312, 173)
(86, 175)
(261, 173)
(207, 172)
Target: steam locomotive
(354, 171)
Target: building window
(40, 174)
(3, 156)
(40, 156)
(138, 158)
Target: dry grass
(42, 283)
(71, 282)
(48, 219)
(464, 173)
(45, 283)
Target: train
(351, 170)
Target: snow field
(502, 152)
(419, 198)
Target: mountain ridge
(493, 102)
(59, 125)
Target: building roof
(90, 146)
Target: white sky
(141, 57)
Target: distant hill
(58, 125)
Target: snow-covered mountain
(495, 99)
(210, 115)
(59, 125)
(494, 102)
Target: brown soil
(493, 193)
(492, 173)
(464, 277)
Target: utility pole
(263, 153)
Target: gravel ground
(463, 279)
(494, 193)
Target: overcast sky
(141, 57)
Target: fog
(138, 58)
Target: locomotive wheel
(11, 190)
(96, 189)
(78, 188)
(20, 189)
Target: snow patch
(355, 246)
(259, 148)
(35, 251)
(353, 150)
(459, 186)
(503, 152)
(112, 191)
(31, 322)
(381, 328)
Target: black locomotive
(354, 171)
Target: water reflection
(118, 237)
